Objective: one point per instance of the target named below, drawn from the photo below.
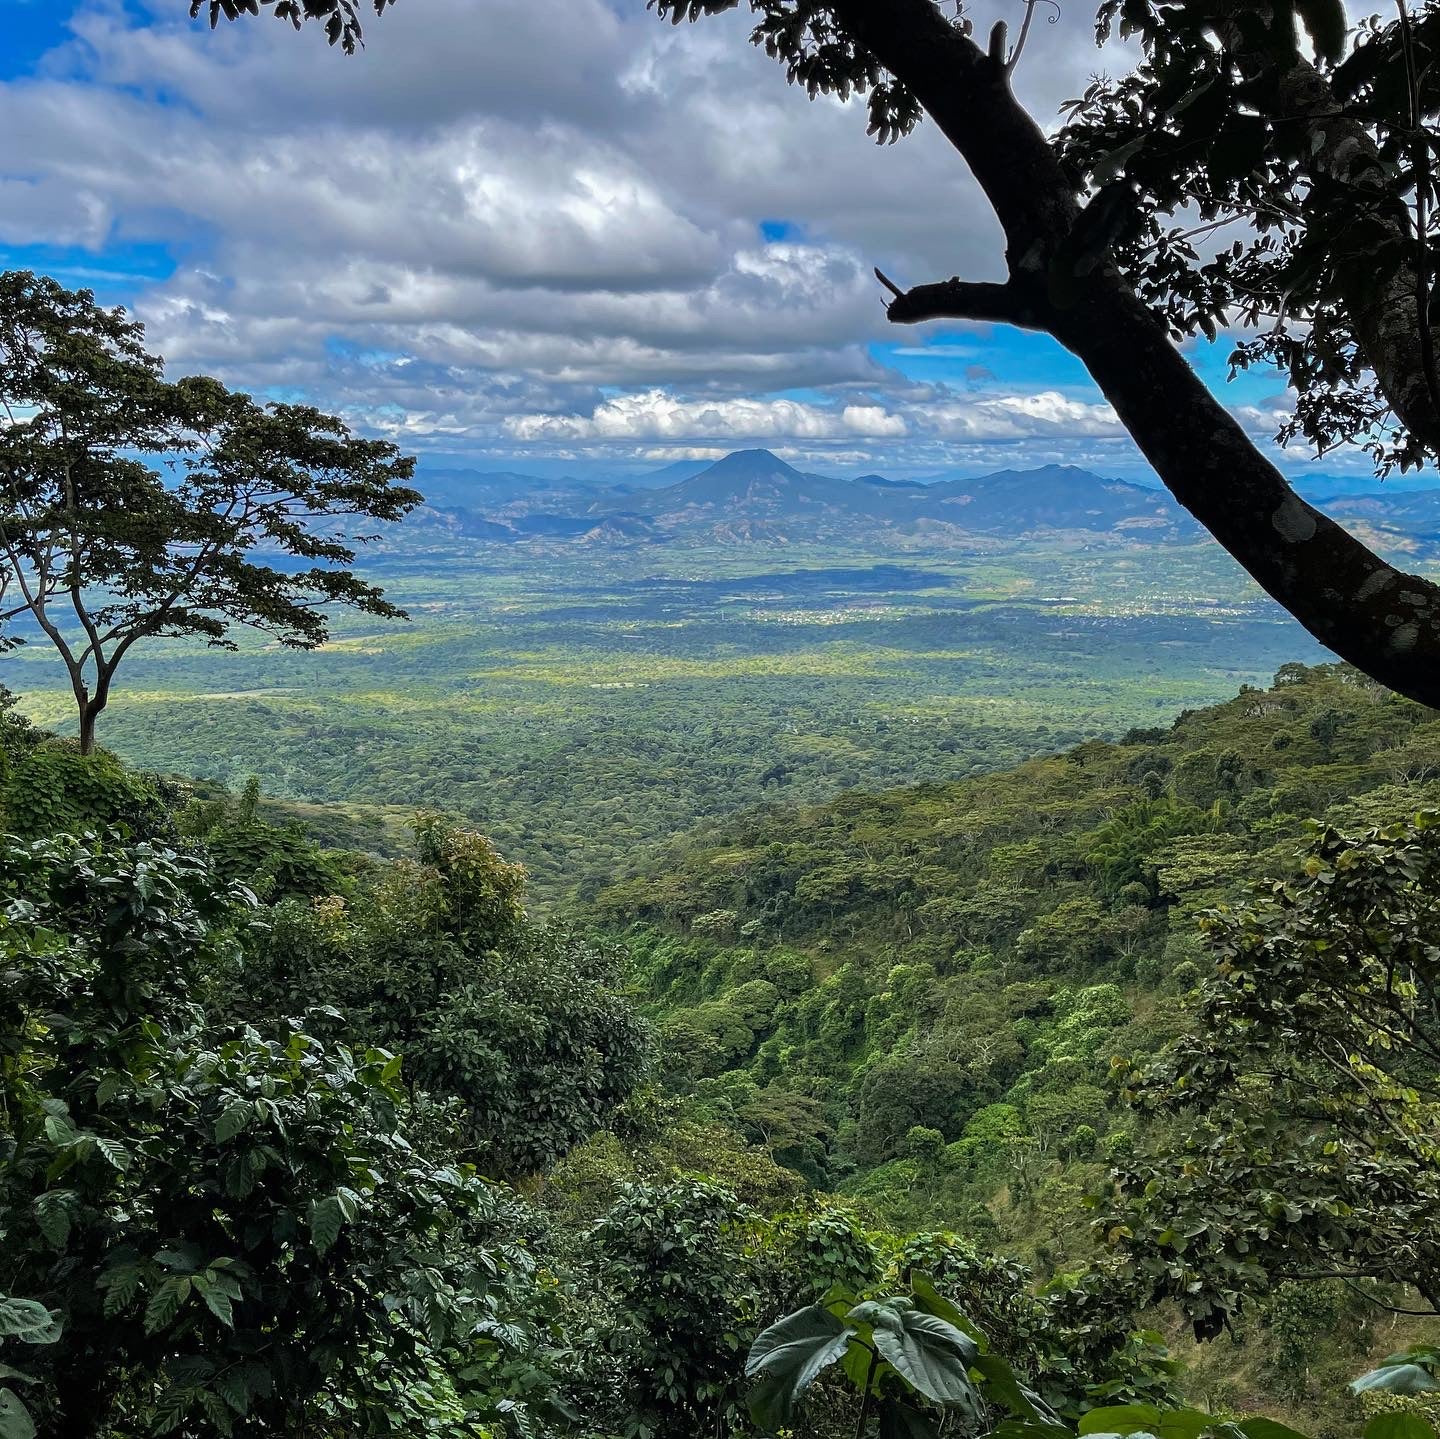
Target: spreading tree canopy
(1302, 1112)
(1263, 166)
(132, 506)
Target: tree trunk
(1383, 621)
(89, 713)
(1380, 619)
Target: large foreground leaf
(1399, 1424)
(787, 1356)
(931, 1355)
(15, 1421)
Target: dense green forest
(917, 995)
(1093, 1094)
(578, 708)
(864, 1064)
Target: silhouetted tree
(102, 549)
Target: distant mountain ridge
(753, 496)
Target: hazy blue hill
(880, 482)
(756, 488)
(1318, 488)
(754, 497)
(1415, 512)
(671, 474)
(1057, 497)
(467, 488)
(756, 482)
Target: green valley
(626, 814)
(579, 706)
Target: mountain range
(753, 496)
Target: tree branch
(958, 300)
(1382, 620)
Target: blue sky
(543, 231)
(32, 28)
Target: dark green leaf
(788, 1355)
(15, 1421)
(1399, 1424)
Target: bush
(228, 1226)
(47, 787)
(673, 1261)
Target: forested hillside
(296, 1134)
(918, 996)
(249, 1091)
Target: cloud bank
(532, 227)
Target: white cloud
(657, 415)
(497, 216)
(1016, 416)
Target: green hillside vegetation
(298, 1139)
(578, 709)
(230, 1205)
(917, 997)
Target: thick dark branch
(959, 300)
(1382, 620)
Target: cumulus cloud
(527, 223)
(1016, 416)
(658, 415)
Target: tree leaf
(15, 1420)
(326, 1220)
(120, 1286)
(164, 1304)
(28, 1321)
(232, 1121)
(218, 1303)
(1399, 1424)
(933, 1357)
(52, 1215)
(58, 1130)
(929, 1299)
(787, 1356)
(115, 1153)
(1262, 1428)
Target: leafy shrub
(675, 1263)
(48, 787)
(234, 1230)
(525, 1024)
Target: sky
(543, 234)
